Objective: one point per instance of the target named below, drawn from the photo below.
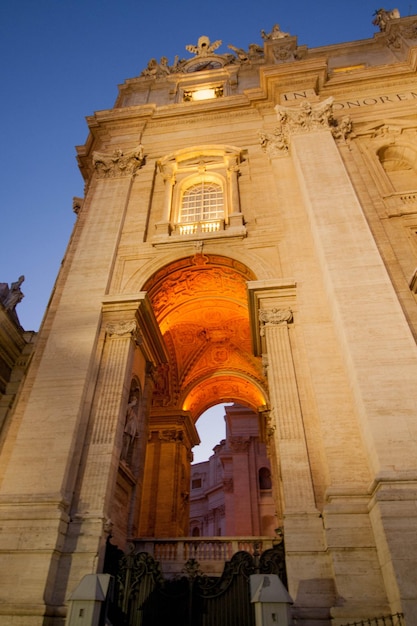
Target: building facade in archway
(231, 492)
(248, 235)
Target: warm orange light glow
(223, 388)
(201, 306)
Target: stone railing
(401, 203)
(210, 552)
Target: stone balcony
(210, 552)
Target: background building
(249, 235)
(231, 492)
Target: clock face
(202, 65)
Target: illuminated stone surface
(299, 303)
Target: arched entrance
(201, 306)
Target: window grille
(202, 202)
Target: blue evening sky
(61, 60)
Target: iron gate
(145, 598)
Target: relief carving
(284, 53)
(305, 118)
(171, 436)
(124, 329)
(239, 444)
(274, 317)
(118, 163)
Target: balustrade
(210, 552)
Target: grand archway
(201, 306)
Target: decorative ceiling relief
(203, 316)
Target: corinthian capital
(274, 317)
(118, 163)
(124, 329)
(309, 117)
(306, 117)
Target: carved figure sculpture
(15, 295)
(157, 70)
(131, 427)
(254, 52)
(382, 17)
(276, 33)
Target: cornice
(120, 114)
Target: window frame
(194, 180)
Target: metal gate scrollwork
(145, 598)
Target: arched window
(265, 481)
(400, 165)
(201, 196)
(202, 202)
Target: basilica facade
(248, 235)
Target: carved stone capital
(124, 329)
(274, 317)
(239, 444)
(228, 485)
(171, 436)
(303, 119)
(118, 163)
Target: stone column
(271, 305)
(380, 356)
(289, 433)
(168, 171)
(91, 517)
(166, 489)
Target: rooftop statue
(382, 17)
(13, 295)
(254, 52)
(155, 69)
(276, 33)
